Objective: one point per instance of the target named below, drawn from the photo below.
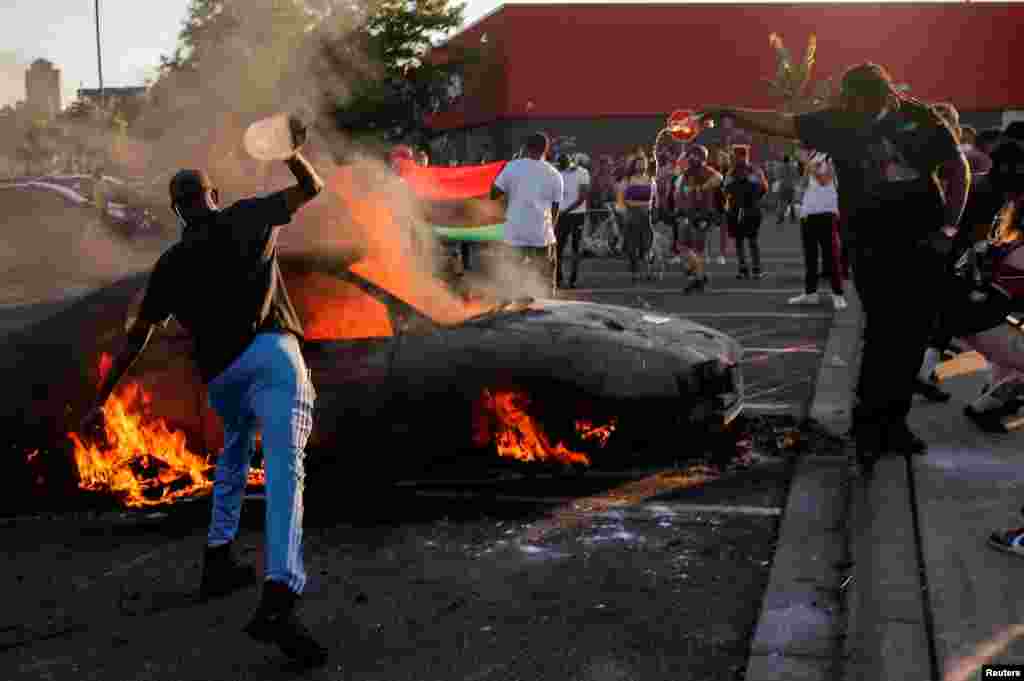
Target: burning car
(522, 381)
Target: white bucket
(270, 139)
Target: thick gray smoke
(270, 61)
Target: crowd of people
(927, 215)
(931, 225)
(913, 167)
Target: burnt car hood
(633, 327)
(603, 350)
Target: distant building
(609, 74)
(42, 88)
(110, 94)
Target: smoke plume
(263, 59)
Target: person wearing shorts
(695, 194)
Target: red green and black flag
(456, 201)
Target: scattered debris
(783, 435)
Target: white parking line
(675, 508)
(671, 269)
(764, 407)
(785, 351)
(637, 474)
(755, 315)
(679, 292)
(751, 393)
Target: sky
(134, 34)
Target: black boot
(223, 574)
(899, 439)
(868, 455)
(276, 621)
(988, 421)
(869, 441)
(744, 273)
(757, 273)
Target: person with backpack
(745, 186)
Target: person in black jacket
(888, 150)
(222, 283)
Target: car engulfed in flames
(525, 382)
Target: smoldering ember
(368, 340)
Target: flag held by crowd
(456, 201)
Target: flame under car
(398, 393)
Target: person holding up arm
(887, 150)
(222, 282)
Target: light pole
(99, 53)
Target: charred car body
(414, 387)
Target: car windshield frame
(339, 265)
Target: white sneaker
(805, 299)
(838, 302)
(721, 260)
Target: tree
(40, 144)
(791, 80)
(392, 97)
(246, 56)
(361, 65)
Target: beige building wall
(42, 89)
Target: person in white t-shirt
(576, 180)
(534, 190)
(819, 211)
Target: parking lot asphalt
(783, 343)
(641, 574)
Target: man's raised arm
(309, 183)
(774, 123)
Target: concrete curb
(886, 634)
(799, 635)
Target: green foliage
(791, 79)
(392, 100)
(366, 61)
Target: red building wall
(593, 60)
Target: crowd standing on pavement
(925, 214)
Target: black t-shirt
(890, 163)
(744, 193)
(223, 284)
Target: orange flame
(142, 462)
(502, 417)
(106, 364)
(334, 309)
(364, 213)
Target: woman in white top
(819, 212)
